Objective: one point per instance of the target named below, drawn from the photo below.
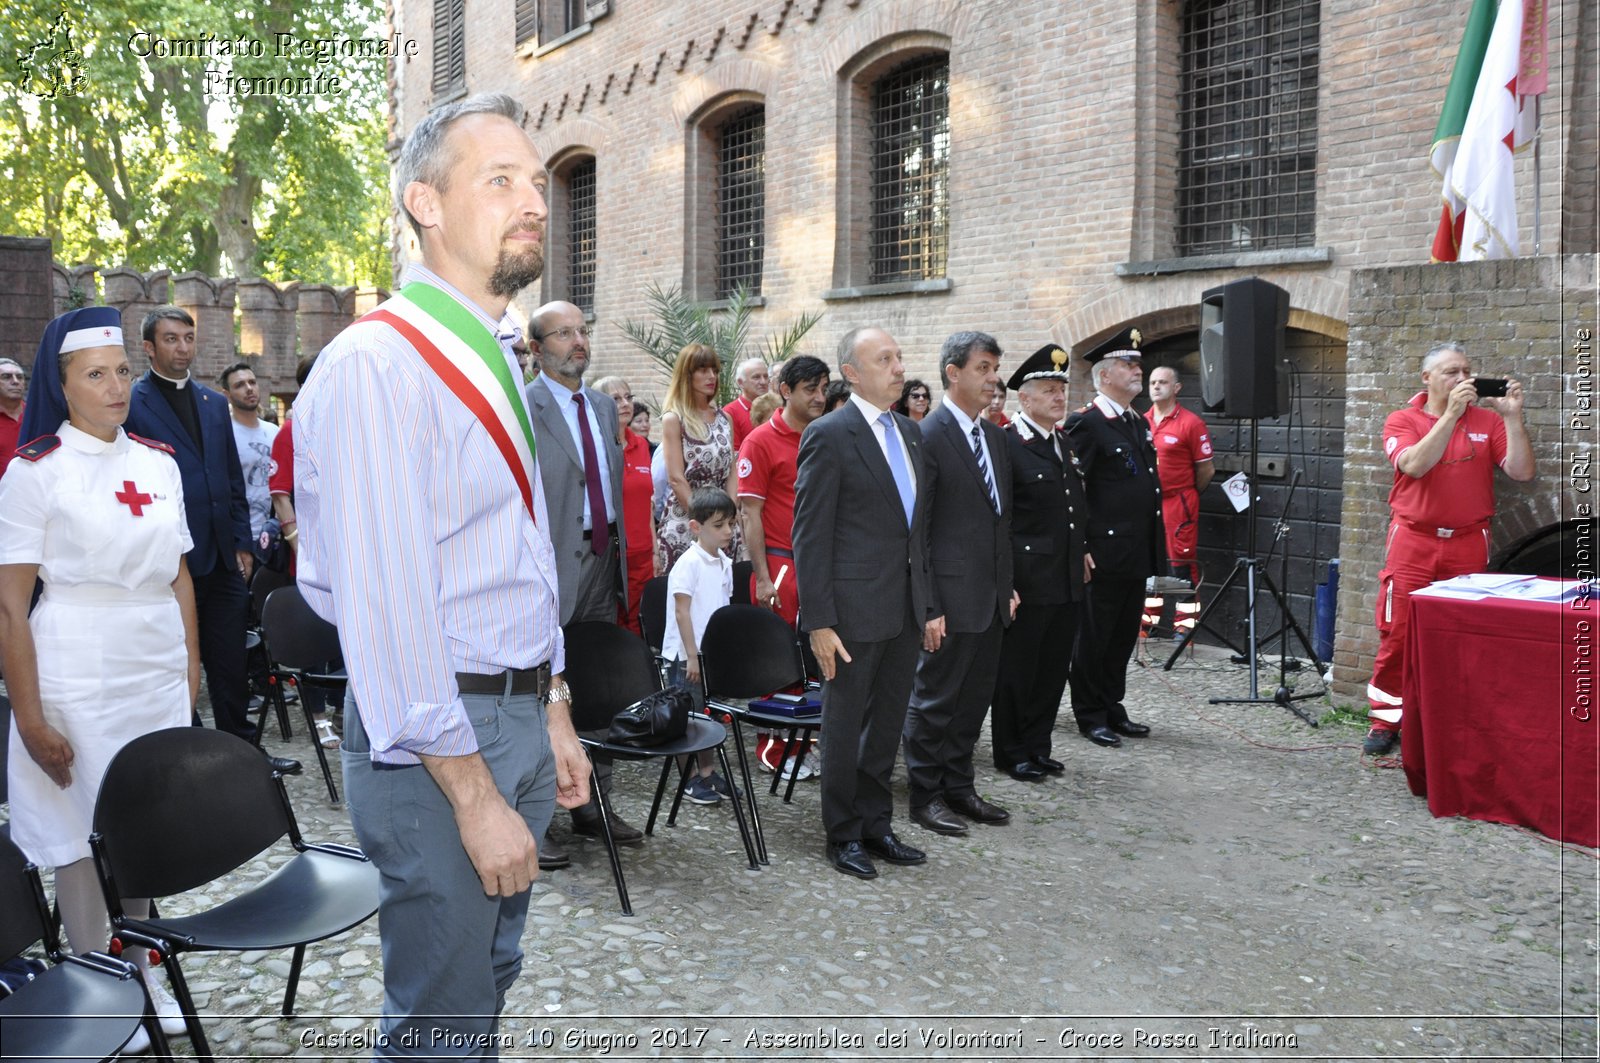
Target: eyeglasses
(565, 332)
(12, 376)
(1472, 451)
(922, 395)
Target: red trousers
(1415, 559)
(1180, 513)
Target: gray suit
(863, 573)
(969, 546)
(590, 585)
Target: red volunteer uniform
(738, 412)
(767, 464)
(637, 490)
(1439, 529)
(9, 428)
(1181, 440)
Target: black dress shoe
(1054, 767)
(551, 856)
(974, 807)
(893, 850)
(587, 823)
(1027, 771)
(283, 765)
(1131, 729)
(937, 817)
(851, 858)
(1102, 736)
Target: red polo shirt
(9, 427)
(1459, 491)
(738, 412)
(767, 465)
(1182, 441)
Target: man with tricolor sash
(423, 537)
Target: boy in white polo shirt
(700, 583)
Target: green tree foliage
(676, 321)
(127, 142)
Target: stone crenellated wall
(268, 325)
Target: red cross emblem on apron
(133, 499)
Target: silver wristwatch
(558, 692)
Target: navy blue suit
(219, 523)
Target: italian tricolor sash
(468, 359)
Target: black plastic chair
(653, 618)
(609, 668)
(748, 652)
(262, 583)
(304, 648)
(180, 808)
(742, 571)
(84, 1007)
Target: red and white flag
(1488, 116)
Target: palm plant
(677, 321)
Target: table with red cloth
(1500, 719)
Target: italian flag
(1487, 117)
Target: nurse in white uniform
(110, 653)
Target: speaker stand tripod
(1255, 576)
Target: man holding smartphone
(1444, 446)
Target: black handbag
(656, 719)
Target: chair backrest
(653, 612)
(298, 638)
(608, 669)
(19, 907)
(748, 652)
(263, 583)
(742, 571)
(183, 806)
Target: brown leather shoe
(974, 807)
(622, 832)
(937, 817)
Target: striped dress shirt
(414, 539)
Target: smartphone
(1490, 387)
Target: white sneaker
(167, 1009)
(137, 1045)
(806, 770)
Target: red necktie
(598, 535)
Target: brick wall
(1064, 152)
(1516, 318)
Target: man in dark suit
(1049, 539)
(967, 495)
(168, 405)
(1125, 536)
(859, 535)
(580, 464)
(571, 422)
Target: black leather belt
(611, 530)
(508, 683)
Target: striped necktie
(983, 469)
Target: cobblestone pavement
(1238, 885)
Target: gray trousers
(450, 952)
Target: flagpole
(1538, 141)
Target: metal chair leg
(611, 846)
(294, 980)
(749, 786)
(738, 813)
(316, 744)
(661, 791)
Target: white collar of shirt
(719, 560)
(872, 413)
(179, 384)
(1108, 404)
(506, 330)
(868, 410)
(963, 422)
(1043, 433)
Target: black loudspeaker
(1241, 349)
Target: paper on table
(1502, 585)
